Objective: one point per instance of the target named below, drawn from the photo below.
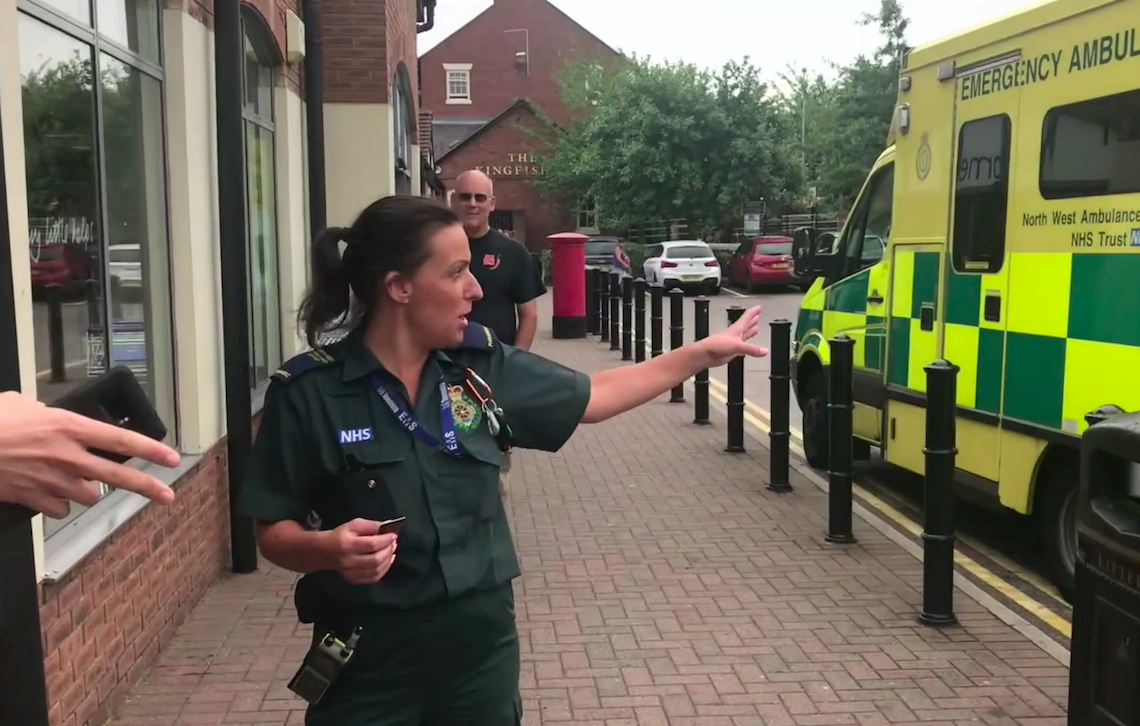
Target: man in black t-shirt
(510, 280)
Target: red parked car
(762, 262)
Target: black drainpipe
(228, 61)
(315, 117)
(426, 19)
(23, 690)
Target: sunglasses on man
(468, 196)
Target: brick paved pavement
(662, 585)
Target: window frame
(851, 259)
(961, 264)
(403, 115)
(458, 69)
(255, 28)
(76, 537)
(1049, 115)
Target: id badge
(322, 664)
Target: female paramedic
(393, 437)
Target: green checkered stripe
(1104, 307)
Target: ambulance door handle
(875, 298)
(992, 308)
(926, 317)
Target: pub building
(486, 87)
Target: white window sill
(459, 102)
(76, 540)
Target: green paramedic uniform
(439, 644)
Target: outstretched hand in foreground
(45, 463)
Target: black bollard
(779, 436)
(626, 318)
(677, 334)
(615, 310)
(55, 334)
(591, 300)
(656, 344)
(600, 305)
(735, 404)
(701, 384)
(938, 537)
(839, 428)
(639, 320)
(604, 305)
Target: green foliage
(545, 257)
(663, 141)
(654, 141)
(637, 257)
(844, 124)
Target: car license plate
(780, 266)
(691, 278)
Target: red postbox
(568, 276)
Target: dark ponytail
(390, 235)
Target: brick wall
(355, 49)
(106, 621)
(496, 80)
(512, 134)
(400, 29)
(274, 13)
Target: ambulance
(999, 230)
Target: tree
(853, 130)
(656, 141)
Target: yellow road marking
(760, 412)
(967, 563)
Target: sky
(774, 33)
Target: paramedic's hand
(45, 463)
(733, 341)
(362, 556)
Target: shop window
(98, 242)
(1092, 148)
(261, 195)
(458, 82)
(402, 124)
(981, 195)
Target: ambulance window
(1092, 148)
(981, 197)
(872, 228)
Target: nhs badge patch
(355, 436)
(1136, 238)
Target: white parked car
(685, 264)
(125, 263)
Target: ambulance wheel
(816, 447)
(1057, 524)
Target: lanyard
(450, 444)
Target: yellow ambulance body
(1000, 230)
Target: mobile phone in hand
(115, 398)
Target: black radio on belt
(323, 663)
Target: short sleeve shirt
(328, 444)
(509, 277)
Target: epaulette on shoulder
(298, 365)
(477, 337)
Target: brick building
(486, 85)
(113, 210)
